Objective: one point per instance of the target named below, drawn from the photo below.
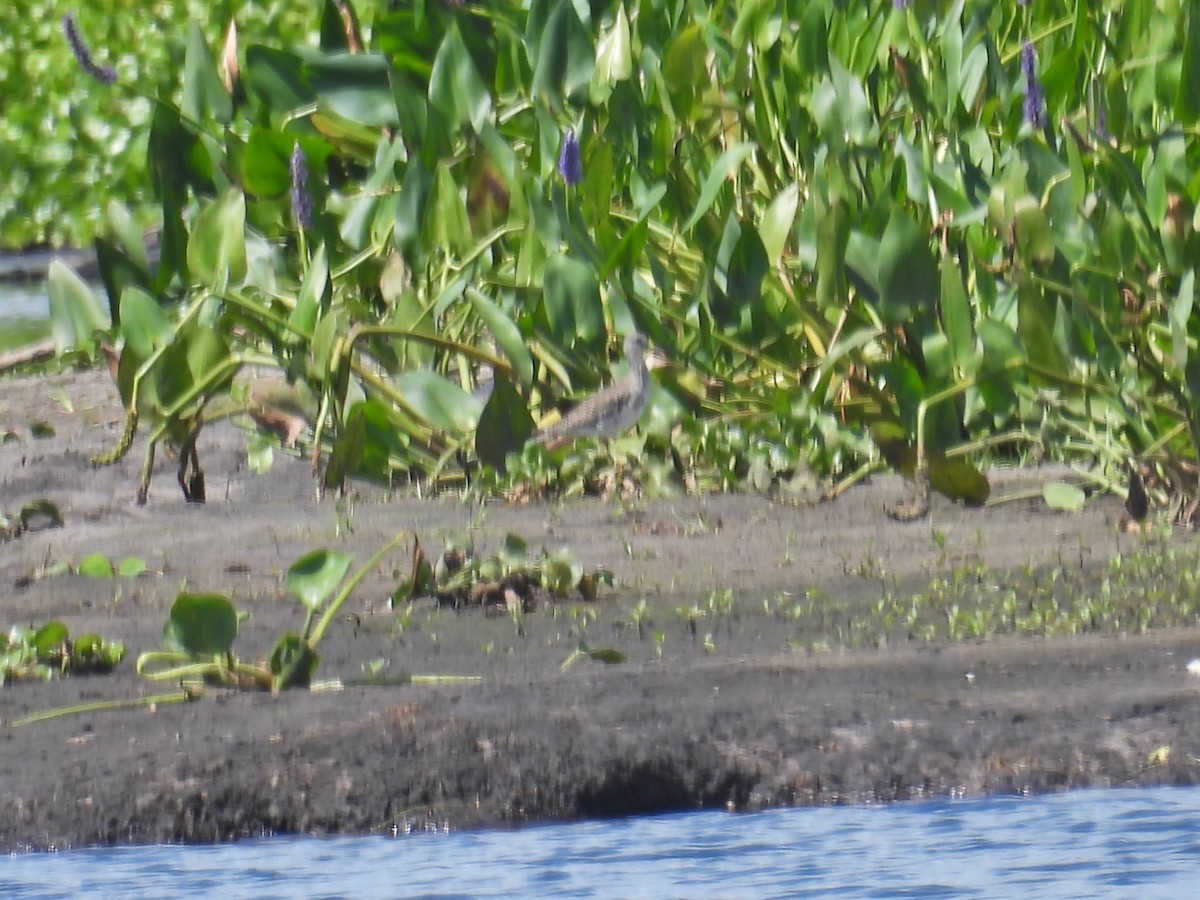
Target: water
(24, 314)
(1120, 843)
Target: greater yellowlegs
(611, 410)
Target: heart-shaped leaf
(315, 576)
(203, 625)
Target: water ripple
(1117, 843)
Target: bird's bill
(657, 359)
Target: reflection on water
(1121, 843)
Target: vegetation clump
(864, 232)
(510, 579)
(49, 650)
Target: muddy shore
(741, 712)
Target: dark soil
(738, 710)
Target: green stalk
(101, 705)
(331, 613)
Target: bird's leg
(147, 473)
(191, 484)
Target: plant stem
(330, 613)
(100, 705)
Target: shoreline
(736, 709)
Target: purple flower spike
(570, 167)
(1035, 99)
(103, 74)
(301, 200)
(901, 4)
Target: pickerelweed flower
(301, 199)
(1035, 99)
(901, 4)
(570, 167)
(103, 74)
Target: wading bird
(610, 411)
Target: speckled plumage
(614, 408)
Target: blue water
(1120, 843)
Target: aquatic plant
(201, 629)
(510, 579)
(71, 143)
(1154, 586)
(843, 227)
(35, 515)
(83, 56)
(48, 650)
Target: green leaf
(998, 374)
(812, 40)
(314, 293)
(564, 58)
(95, 565)
(506, 333)
(277, 78)
(776, 225)
(203, 625)
(37, 510)
(959, 480)
(315, 576)
(439, 401)
(448, 224)
(727, 163)
(293, 662)
(974, 69)
(607, 655)
(170, 383)
(265, 161)
(917, 187)
(207, 350)
(216, 251)
(348, 449)
(504, 425)
(956, 314)
(353, 86)
(909, 282)
(1063, 497)
(455, 86)
(1187, 98)
(75, 313)
(204, 96)
(1035, 240)
(741, 266)
(1179, 315)
(49, 640)
(410, 207)
(572, 301)
(260, 453)
(683, 66)
(833, 238)
(144, 326)
(614, 57)
(91, 654)
(131, 567)
(842, 110)
(122, 256)
(1035, 325)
